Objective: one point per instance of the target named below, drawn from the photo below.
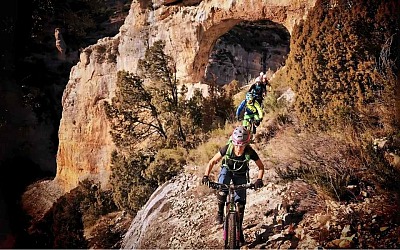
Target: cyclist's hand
(205, 180)
(257, 122)
(258, 184)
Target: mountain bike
(252, 127)
(231, 213)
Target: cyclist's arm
(251, 87)
(216, 158)
(240, 107)
(260, 166)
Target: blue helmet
(249, 96)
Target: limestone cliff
(190, 32)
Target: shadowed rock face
(246, 50)
(191, 34)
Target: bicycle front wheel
(231, 240)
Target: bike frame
(231, 216)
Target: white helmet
(240, 136)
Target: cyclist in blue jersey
(251, 109)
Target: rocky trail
(181, 214)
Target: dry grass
(202, 154)
(320, 160)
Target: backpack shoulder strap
(247, 154)
(230, 148)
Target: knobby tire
(231, 241)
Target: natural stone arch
(207, 44)
(190, 32)
(246, 50)
(221, 18)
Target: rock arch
(190, 32)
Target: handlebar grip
(215, 185)
(221, 186)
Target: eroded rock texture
(190, 29)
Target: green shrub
(167, 164)
(96, 202)
(126, 175)
(138, 196)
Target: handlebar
(225, 187)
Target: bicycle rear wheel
(231, 232)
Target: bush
(96, 202)
(167, 164)
(126, 176)
(334, 65)
(324, 162)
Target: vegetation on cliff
(342, 68)
(153, 126)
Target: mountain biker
(252, 110)
(259, 89)
(259, 78)
(235, 167)
(268, 86)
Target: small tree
(151, 105)
(333, 65)
(134, 115)
(160, 69)
(167, 164)
(218, 106)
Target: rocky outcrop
(190, 33)
(84, 141)
(203, 25)
(60, 44)
(181, 215)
